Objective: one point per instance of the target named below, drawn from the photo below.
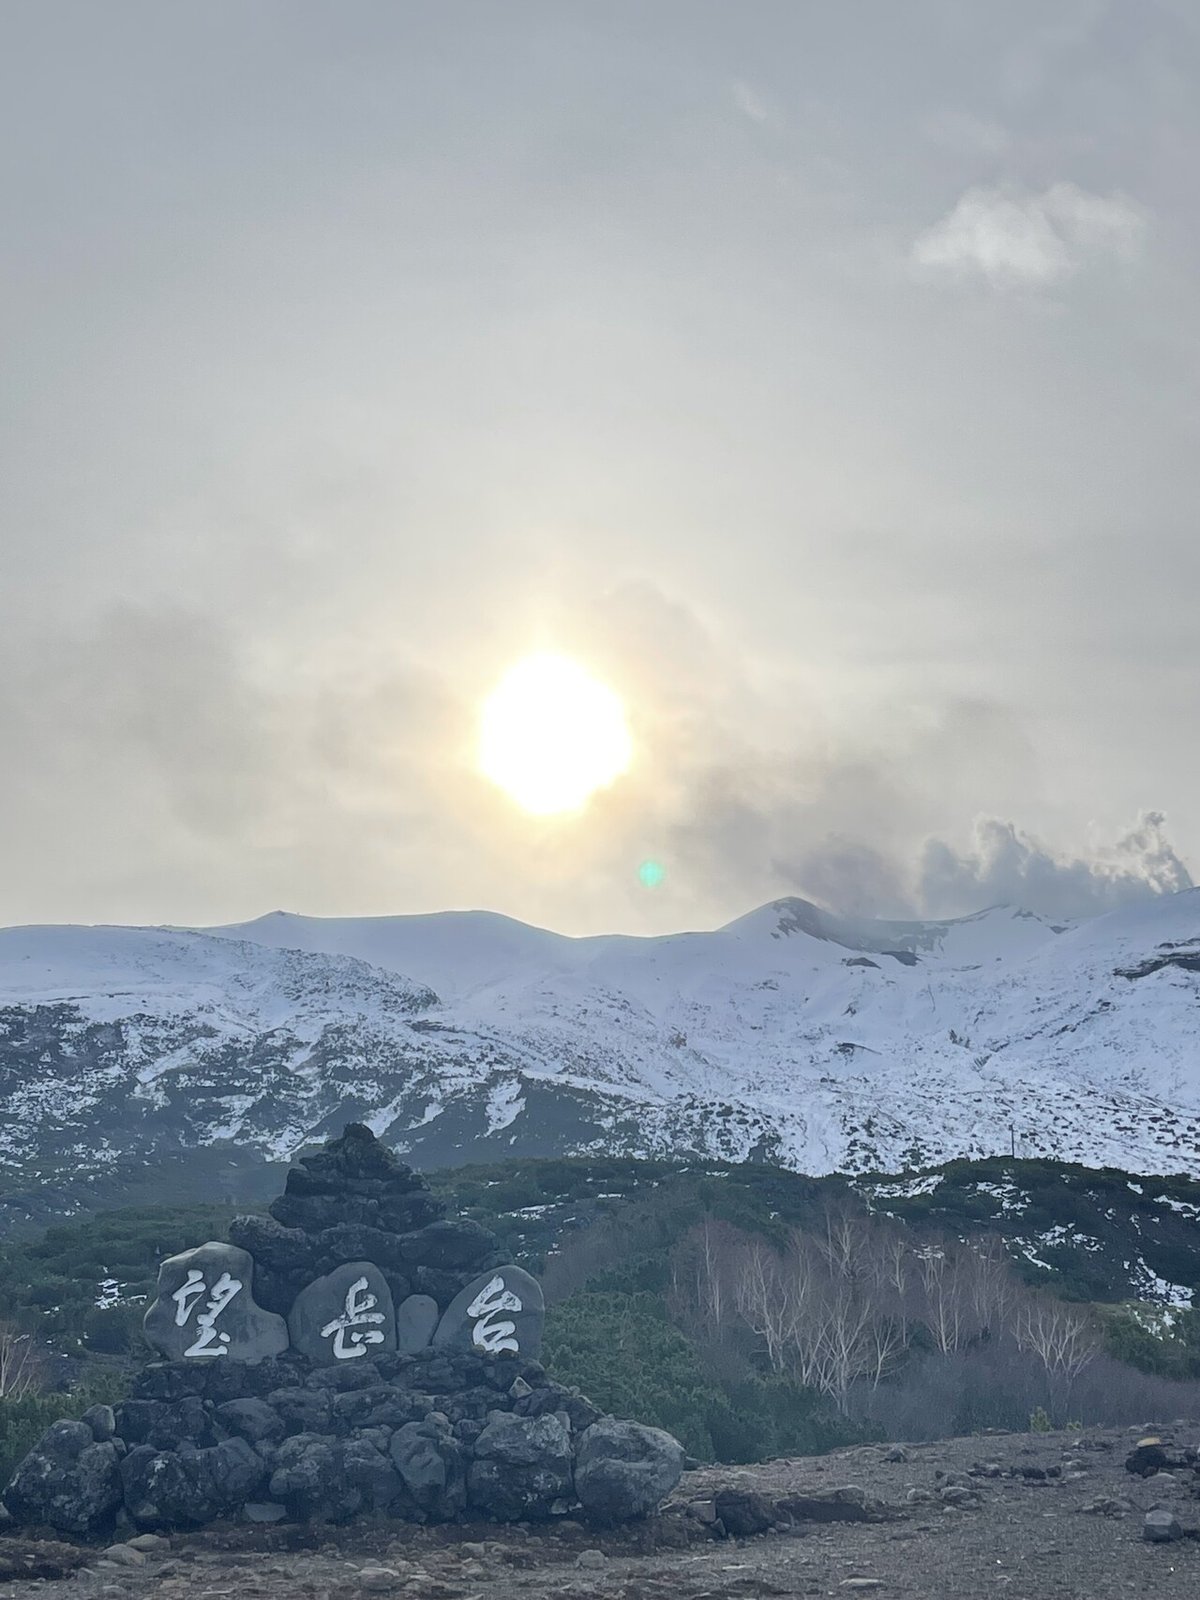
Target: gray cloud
(1013, 238)
(1007, 866)
(356, 357)
(180, 781)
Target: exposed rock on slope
(817, 1042)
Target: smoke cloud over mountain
(1007, 865)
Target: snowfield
(821, 1043)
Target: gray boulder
(285, 1259)
(624, 1470)
(302, 1410)
(166, 1488)
(252, 1420)
(70, 1480)
(366, 1468)
(1161, 1526)
(206, 1309)
(228, 1475)
(416, 1323)
(345, 1316)
(102, 1420)
(522, 1468)
(451, 1244)
(307, 1476)
(500, 1312)
(165, 1424)
(160, 1492)
(432, 1464)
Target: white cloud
(752, 103)
(1014, 238)
(1008, 866)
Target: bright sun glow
(551, 735)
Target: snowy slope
(822, 1043)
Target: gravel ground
(1027, 1516)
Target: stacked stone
(354, 1353)
(355, 1201)
(437, 1436)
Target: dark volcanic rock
(456, 1243)
(285, 1259)
(376, 1405)
(433, 1465)
(229, 1474)
(166, 1488)
(743, 1512)
(354, 1180)
(102, 1420)
(522, 1468)
(367, 1470)
(70, 1480)
(159, 1492)
(624, 1470)
(206, 1309)
(166, 1424)
(309, 1479)
(500, 1311)
(344, 1316)
(252, 1420)
(1148, 1458)
(303, 1410)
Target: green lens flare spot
(651, 874)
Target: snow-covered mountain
(819, 1042)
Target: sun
(550, 735)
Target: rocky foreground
(1028, 1516)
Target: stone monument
(355, 1351)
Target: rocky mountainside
(134, 1058)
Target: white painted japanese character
(359, 1314)
(489, 1334)
(208, 1341)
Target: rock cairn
(356, 1352)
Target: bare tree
(946, 1308)
(765, 1301)
(1062, 1338)
(20, 1363)
(843, 1241)
(702, 1276)
(992, 1283)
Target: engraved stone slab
(344, 1316)
(206, 1309)
(500, 1312)
(416, 1323)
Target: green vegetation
(645, 1265)
(50, 1286)
(24, 1420)
(624, 1353)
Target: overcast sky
(822, 375)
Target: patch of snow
(505, 1103)
(905, 1188)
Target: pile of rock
(356, 1353)
(354, 1201)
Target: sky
(823, 377)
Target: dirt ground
(1025, 1516)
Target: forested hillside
(754, 1311)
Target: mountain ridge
(790, 1034)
